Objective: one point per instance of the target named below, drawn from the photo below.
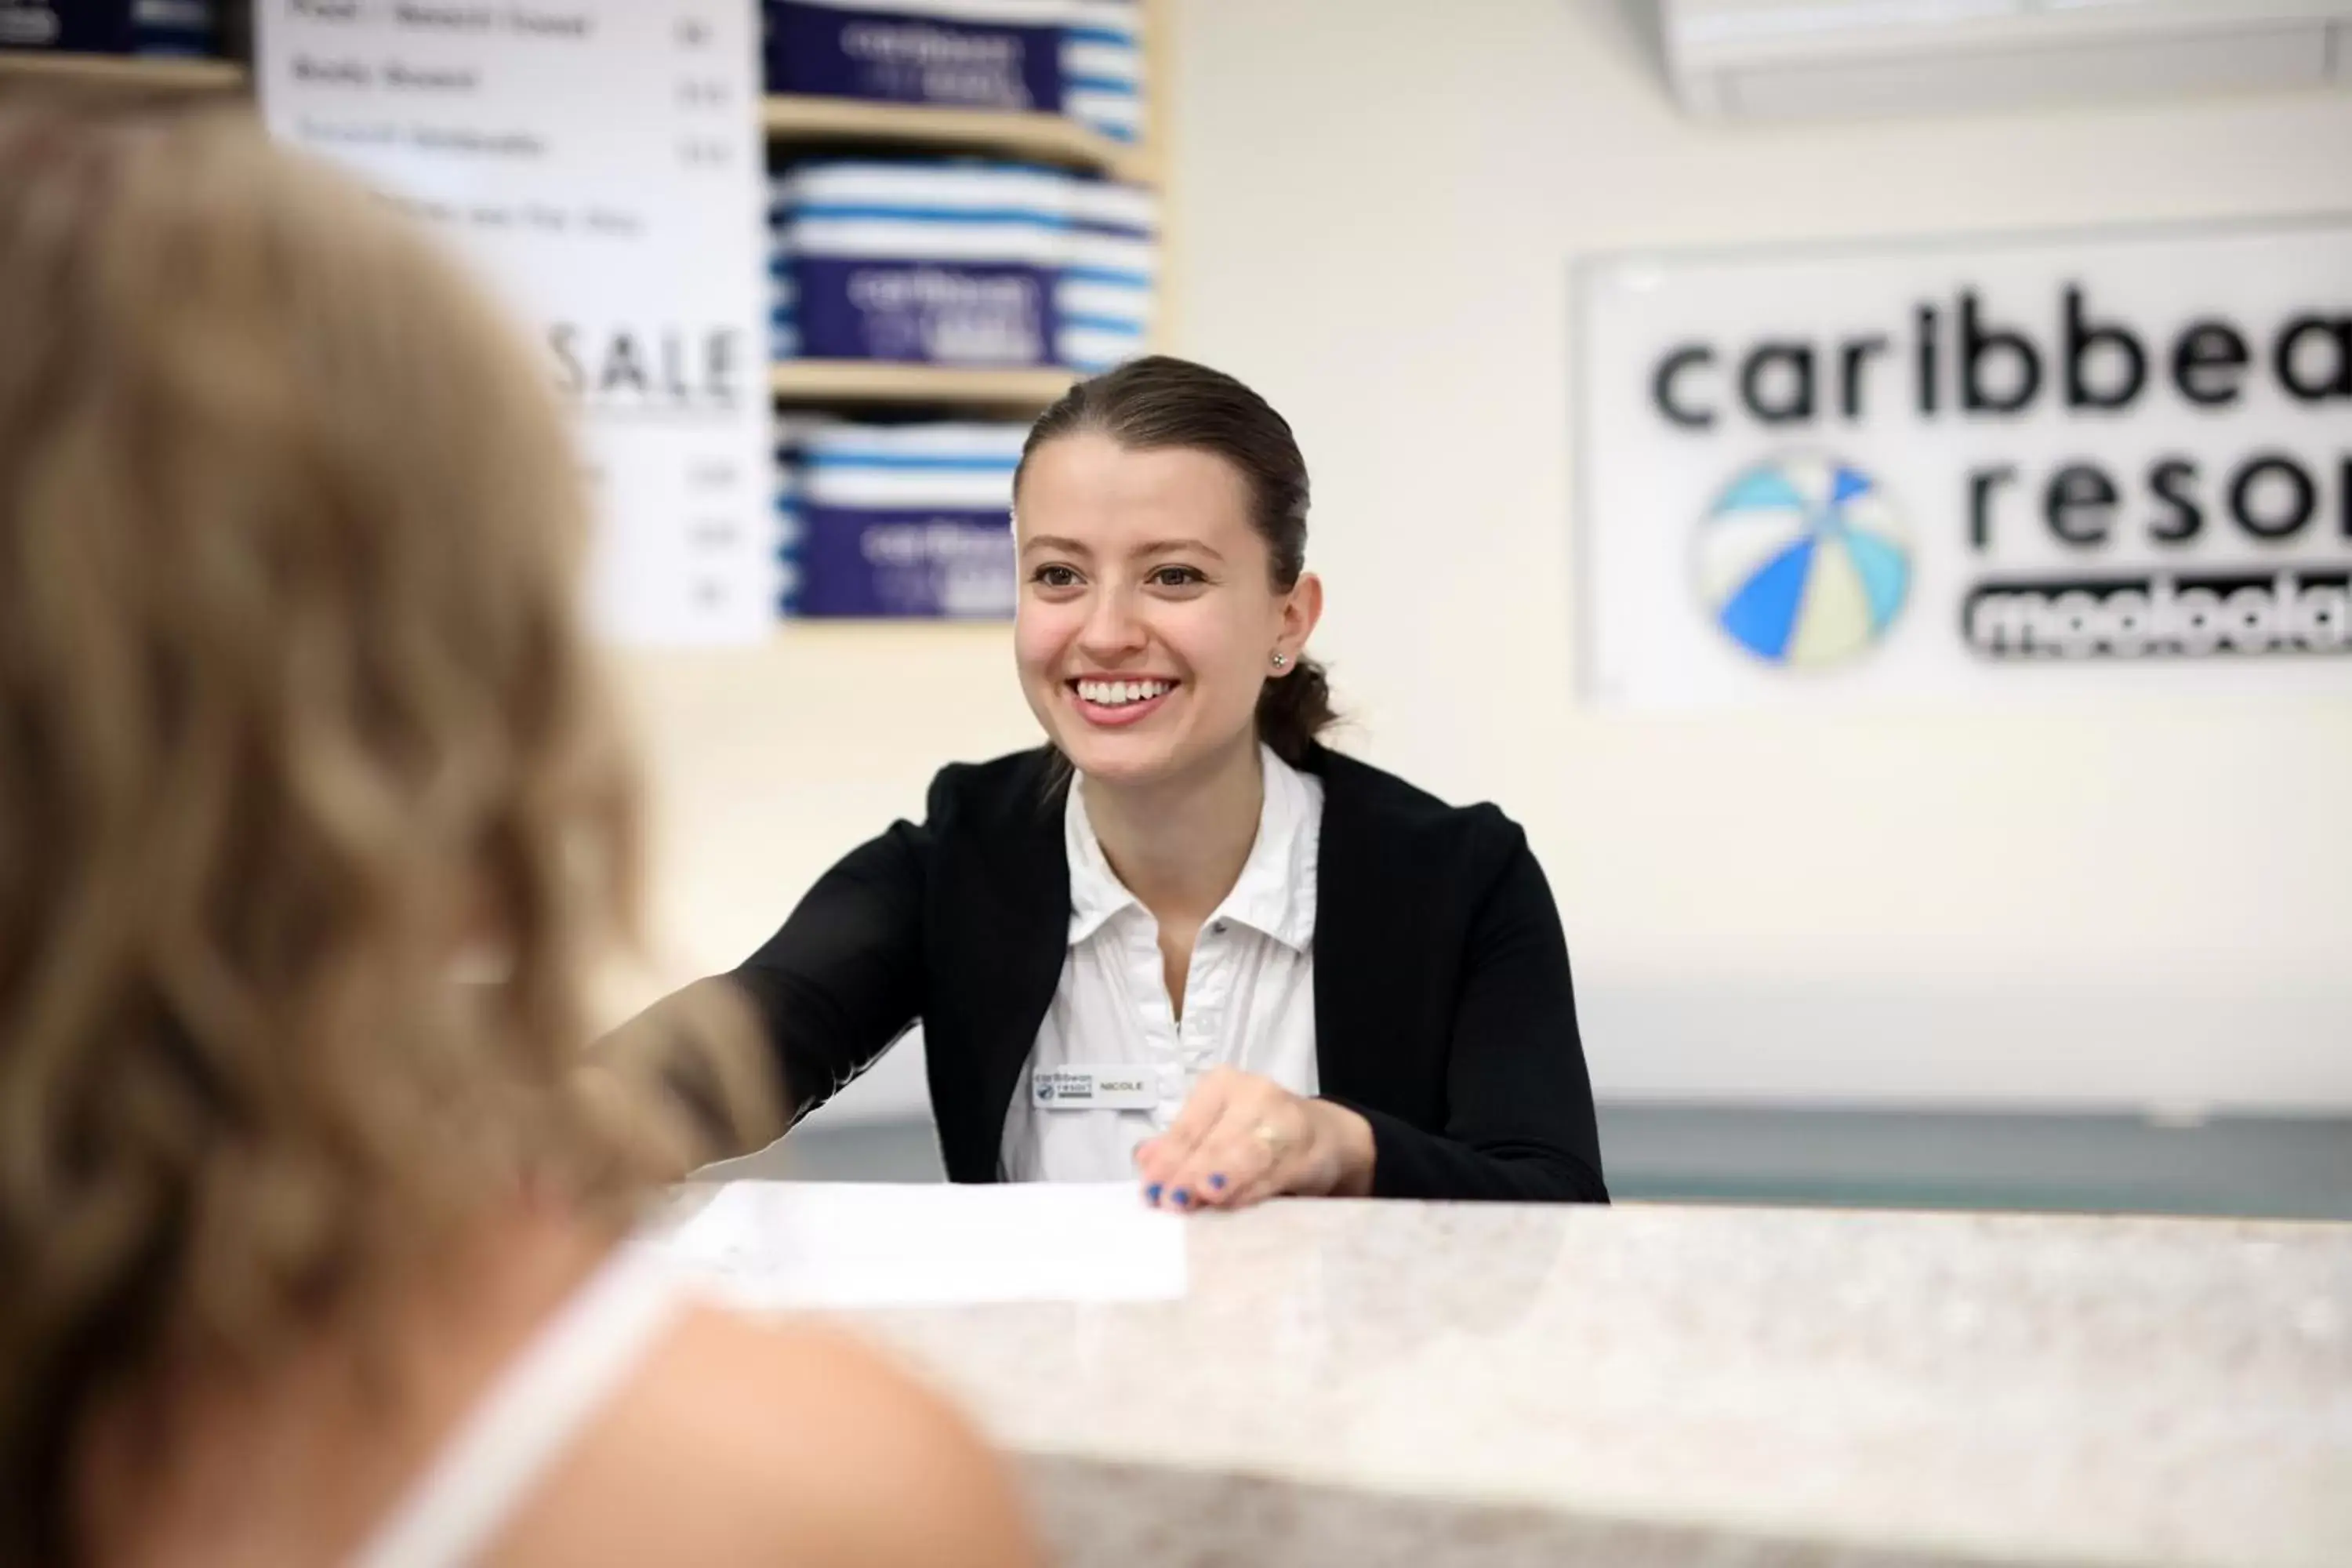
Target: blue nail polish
(1180, 1197)
(1152, 1192)
(1218, 1181)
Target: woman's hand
(1241, 1138)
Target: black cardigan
(1443, 1007)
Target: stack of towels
(912, 520)
(1083, 59)
(1111, 265)
(1102, 68)
(958, 262)
(173, 29)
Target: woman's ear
(1302, 607)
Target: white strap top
(538, 1408)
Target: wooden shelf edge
(864, 381)
(1046, 137)
(126, 71)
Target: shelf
(1046, 138)
(834, 381)
(124, 73)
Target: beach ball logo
(1804, 561)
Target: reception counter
(1653, 1387)
(1647, 1385)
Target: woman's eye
(1054, 578)
(1177, 577)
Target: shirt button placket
(1155, 1021)
(1212, 983)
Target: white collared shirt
(1249, 996)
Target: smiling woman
(1184, 943)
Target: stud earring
(1282, 662)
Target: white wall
(1379, 201)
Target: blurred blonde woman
(307, 1253)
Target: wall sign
(600, 162)
(2090, 463)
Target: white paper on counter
(816, 1245)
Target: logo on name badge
(1085, 1088)
(1063, 1087)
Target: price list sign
(599, 162)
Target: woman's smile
(1114, 702)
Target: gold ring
(1268, 1133)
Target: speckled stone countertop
(1390, 1384)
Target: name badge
(1094, 1089)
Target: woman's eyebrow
(1176, 546)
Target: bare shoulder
(741, 1442)
(892, 1468)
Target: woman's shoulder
(1021, 789)
(1393, 852)
(1359, 798)
(740, 1441)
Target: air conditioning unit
(1820, 58)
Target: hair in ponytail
(1158, 402)
(1294, 709)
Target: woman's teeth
(1119, 693)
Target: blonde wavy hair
(294, 708)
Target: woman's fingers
(1241, 1139)
(1250, 1153)
(1232, 1166)
(1161, 1160)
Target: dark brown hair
(1156, 402)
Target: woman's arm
(840, 981)
(843, 978)
(1519, 1123)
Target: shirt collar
(1276, 892)
(1096, 891)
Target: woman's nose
(1112, 626)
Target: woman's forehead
(1088, 488)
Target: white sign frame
(1702, 667)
